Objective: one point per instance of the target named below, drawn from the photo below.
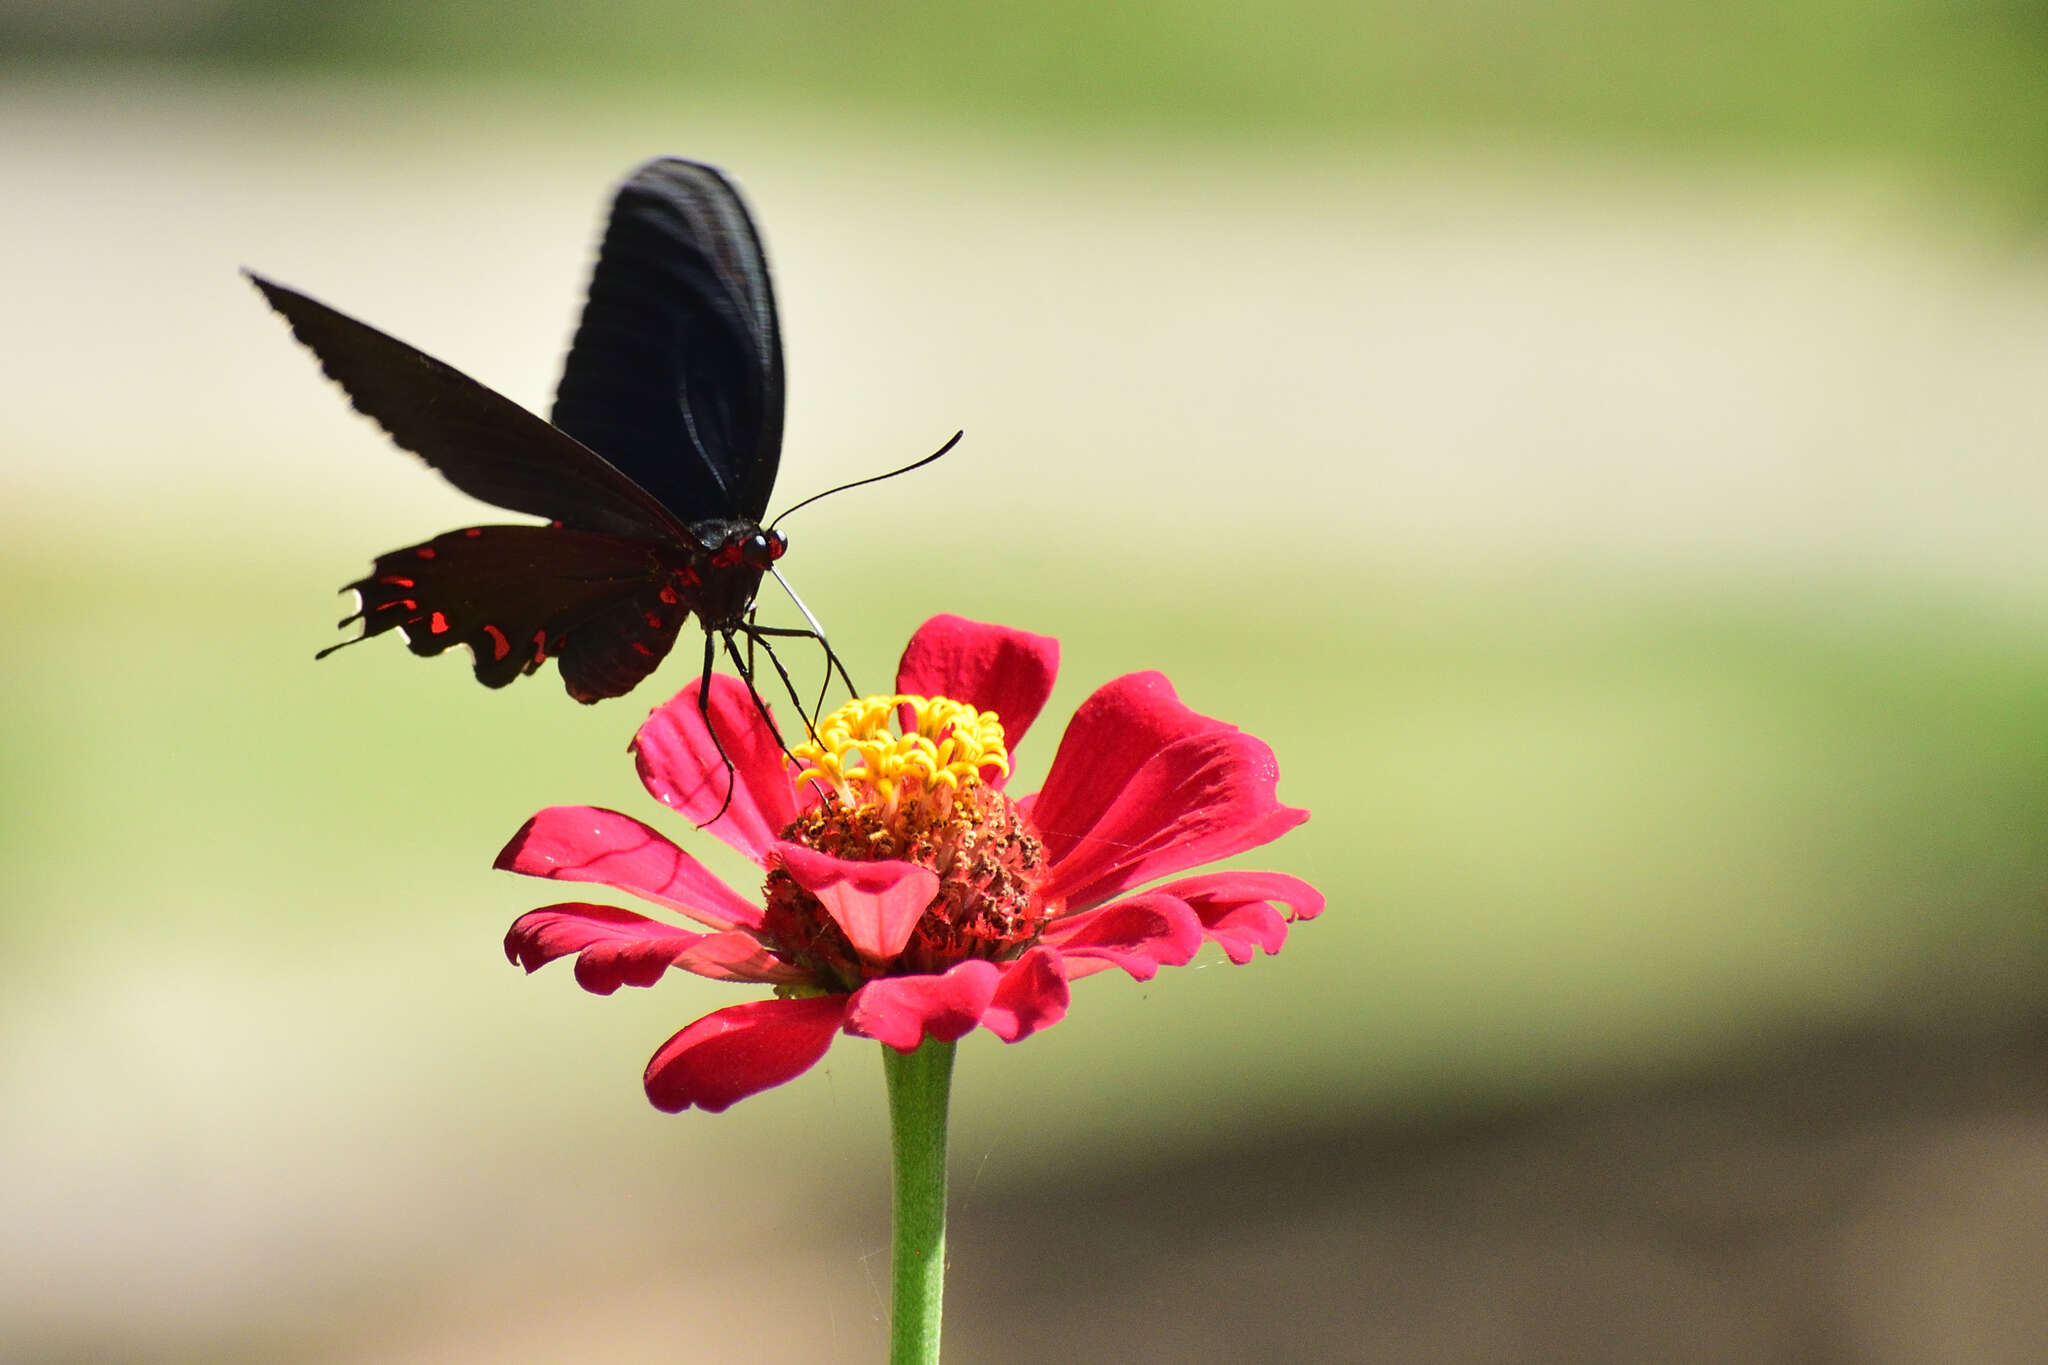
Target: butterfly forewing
(517, 595)
(675, 375)
(480, 441)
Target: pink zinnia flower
(906, 896)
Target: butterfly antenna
(872, 478)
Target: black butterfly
(654, 475)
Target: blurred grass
(1563, 831)
(1957, 92)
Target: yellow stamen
(949, 744)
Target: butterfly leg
(832, 660)
(810, 718)
(761, 706)
(746, 672)
(704, 713)
(817, 632)
(788, 685)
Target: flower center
(864, 754)
(907, 777)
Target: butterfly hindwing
(606, 605)
(620, 644)
(675, 375)
(479, 440)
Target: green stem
(918, 1086)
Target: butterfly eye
(777, 543)
(758, 551)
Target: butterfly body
(653, 476)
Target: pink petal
(1140, 935)
(617, 948)
(1033, 995)
(903, 1011)
(742, 1050)
(876, 903)
(737, 955)
(1080, 968)
(1122, 724)
(993, 668)
(1143, 787)
(680, 765)
(613, 947)
(588, 844)
(1242, 910)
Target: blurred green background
(1598, 446)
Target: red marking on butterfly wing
(616, 648)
